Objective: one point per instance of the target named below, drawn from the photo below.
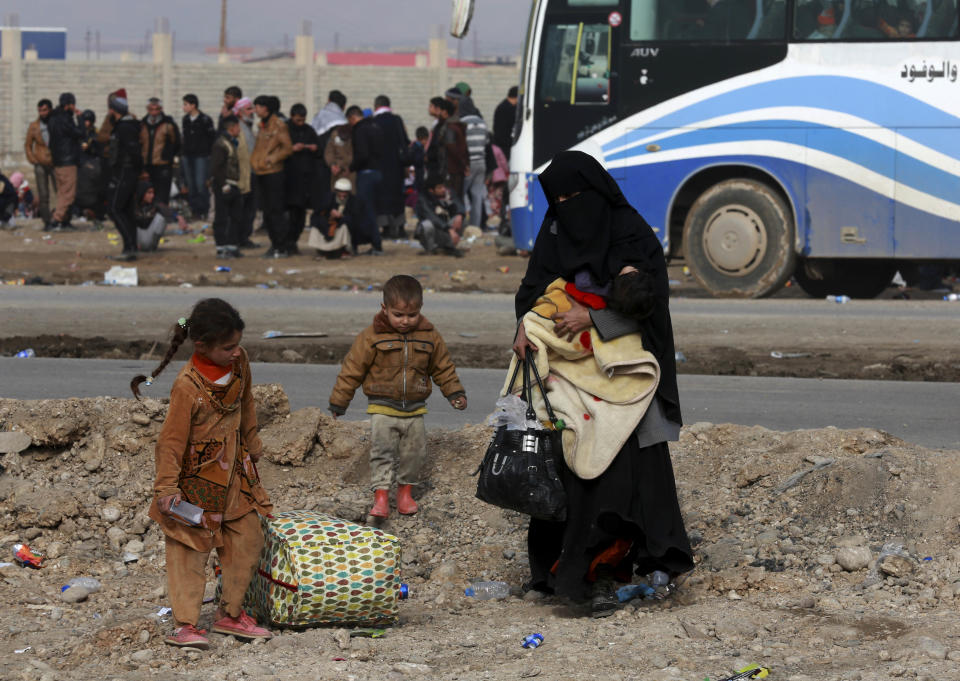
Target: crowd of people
(352, 176)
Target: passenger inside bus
(875, 19)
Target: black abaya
(636, 499)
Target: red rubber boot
(381, 504)
(405, 503)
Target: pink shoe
(188, 636)
(243, 626)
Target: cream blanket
(601, 390)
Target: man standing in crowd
(394, 158)
(37, 148)
(231, 96)
(328, 119)
(198, 138)
(160, 141)
(447, 155)
(229, 183)
(300, 172)
(504, 117)
(125, 161)
(248, 140)
(272, 149)
(367, 150)
(65, 136)
(477, 137)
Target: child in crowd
(206, 456)
(394, 360)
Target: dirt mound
(787, 527)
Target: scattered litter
(679, 357)
(27, 558)
(776, 354)
(459, 276)
(368, 633)
(503, 269)
(294, 334)
(838, 299)
(26, 354)
(532, 641)
(631, 591)
(751, 671)
(198, 239)
(686, 271)
(292, 272)
(186, 284)
(93, 585)
(3, 565)
(794, 479)
(675, 282)
(163, 612)
(120, 276)
(467, 334)
(221, 268)
(338, 659)
(952, 297)
(23, 650)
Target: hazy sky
(499, 24)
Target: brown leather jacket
(38, 153)
(395, 368)
(272, 148)
(166, 142)
(205, 452)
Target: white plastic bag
(512, 413)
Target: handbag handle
(526, 393)
(546, 401)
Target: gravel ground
(788, 528)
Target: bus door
(576, 89)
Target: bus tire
(738, 239)
(854, 277)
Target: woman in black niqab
(630, 513)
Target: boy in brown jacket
(394, 360)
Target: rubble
(800, 578)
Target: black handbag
(519, 470)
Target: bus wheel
(738, 239)
(857, 278)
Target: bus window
(874, 20)
(576, 64)
(593, 3)
(707, 20)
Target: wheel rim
(735, 240)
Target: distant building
(50, 43)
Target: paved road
(147, 313)
(924, 413)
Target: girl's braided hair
(212, 320)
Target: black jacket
(65, 136)
(503, 120)
(125, 149)
(394, 158)
(198, 136)
(300, 168)
(438, 213)
(367, 146)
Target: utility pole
(223, 27)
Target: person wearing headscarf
(628, 518)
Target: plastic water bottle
(486, 591)
(26, 354)
(631, 591)
(404, 592)
(838, 299)
(659, 578)
(532, 641)
(952, 297)
(88, 583)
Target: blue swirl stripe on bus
(850, 146)
(864, 99)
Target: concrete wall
(409, 88)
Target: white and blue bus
(761, 139)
